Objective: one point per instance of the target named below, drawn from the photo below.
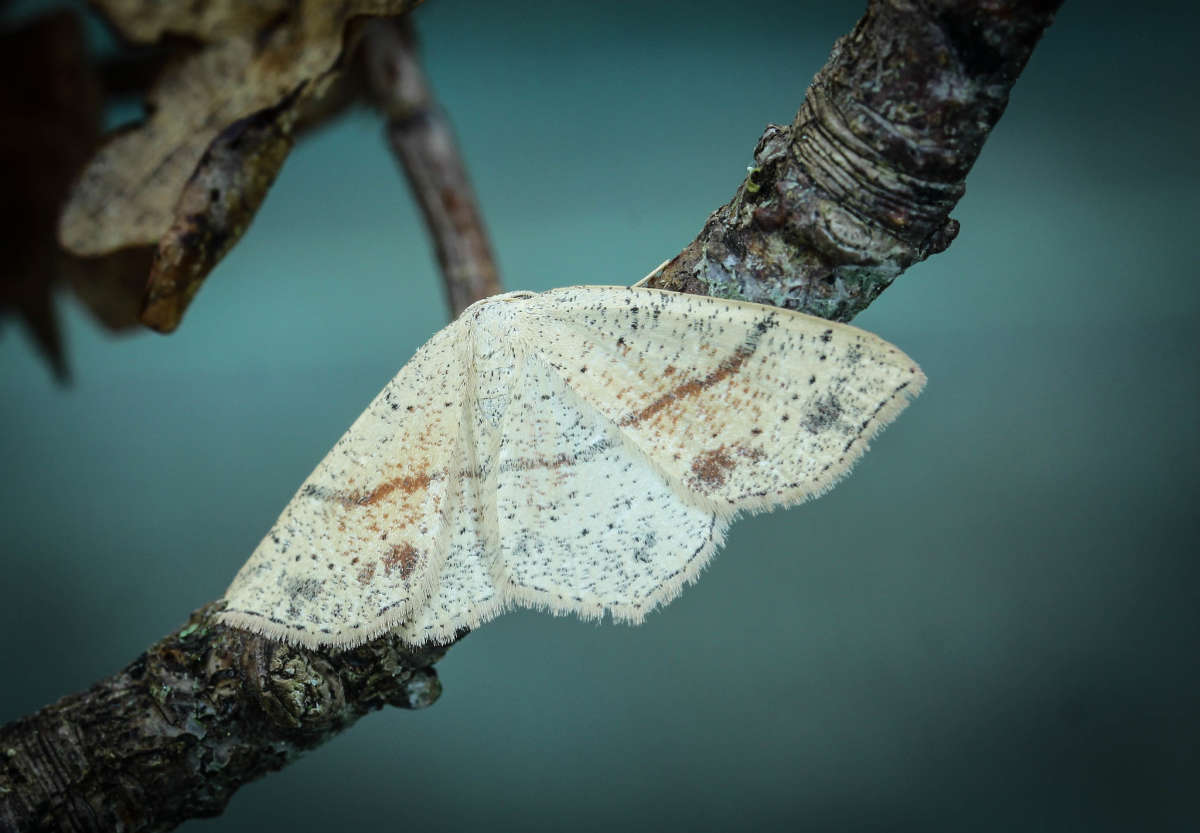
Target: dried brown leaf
(49, 125)
(217, 204)
(148, 20)
(152, 185)
(112, 285)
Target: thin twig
(422, 140)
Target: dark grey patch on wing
(644, 554)
(826, 412)
(304, 588)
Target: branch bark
(421, 139)
(860, 186)
(857, 189)
(203, 711)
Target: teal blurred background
(991, 626)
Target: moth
(581, 450)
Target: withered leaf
(49, 125)
(218, 201)
(220, 121)
(112, 285)
(148, 20)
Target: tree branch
(422, 140)
(203, 711)
(858, 188)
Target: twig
(856, 190)
(422, 140)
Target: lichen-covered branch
(860, 186)
(422, 140)
(203, 711)
(857, 189)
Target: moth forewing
(581, 451)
